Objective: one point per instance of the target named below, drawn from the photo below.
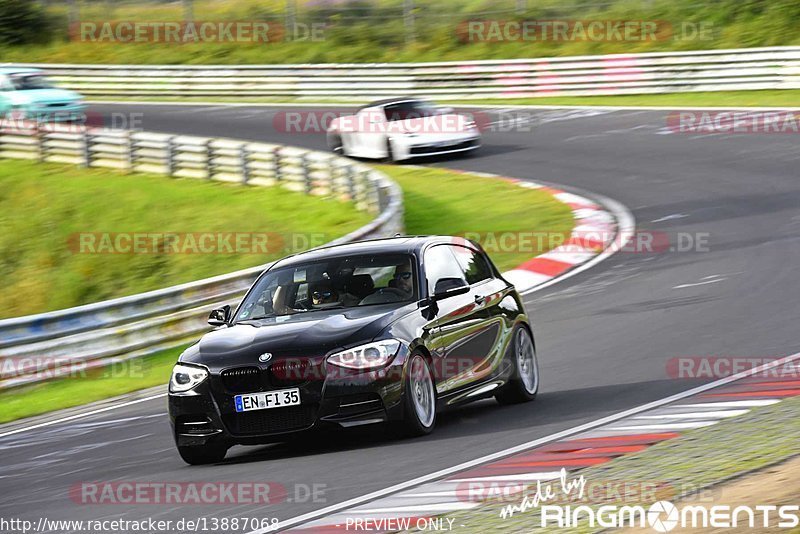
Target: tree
(23, 22)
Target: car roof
(19, 70)
(387, 101)
(390, 245)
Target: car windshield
(25, 82)
(333, 283)
(410, 109)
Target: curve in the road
(606, 338)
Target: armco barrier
(661, 72)
(40, 346)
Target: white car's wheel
(391, 152)
(335, 143)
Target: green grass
(765, 98)
(436, 203)
(361, 31)
(44, 208)
(36, 399)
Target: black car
(383, 331)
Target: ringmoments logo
(661, 516)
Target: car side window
(440, 263)
(473, 264)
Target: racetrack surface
(605, 336)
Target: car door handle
(479, 299)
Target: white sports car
(401, 128)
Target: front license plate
(271, 399)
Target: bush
(23, 22)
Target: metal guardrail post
(307, 184)
(209, 153)
(351, 182)
(171, 156)
(40, 144)
(363, 187)
(276, 157)
(244, 163)
(86, 152)
(130, 155)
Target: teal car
(26, 93)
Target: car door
(486, 293)
(462, 334)
(368, 138)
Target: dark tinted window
(473, 264)
(440, 263)
(26, 82)
(409, 110)
(335, 282)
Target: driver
(403, 278)
(323, 293)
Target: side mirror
(220, 316)
(449, 287)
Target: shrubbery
(23, 22)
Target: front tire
(524, 383)
(419, 398)
(335, 143)
(210, 453)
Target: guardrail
(662, 72)
(42, 346)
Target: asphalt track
(605, 336)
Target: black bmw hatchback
(388, 331)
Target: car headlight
(185, 377)
(368, 356)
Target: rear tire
(390, 152)
(523, 385)
(419, 399)
(209, 453)
(335, 143)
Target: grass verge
(435, 204)
(732, 99)
(680, 467)
(47, 209)
(94, 385)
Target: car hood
(310, 334)
(43, 96)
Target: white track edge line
(465, 104)
(626, 226)
(81, 415)
(329, 510)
